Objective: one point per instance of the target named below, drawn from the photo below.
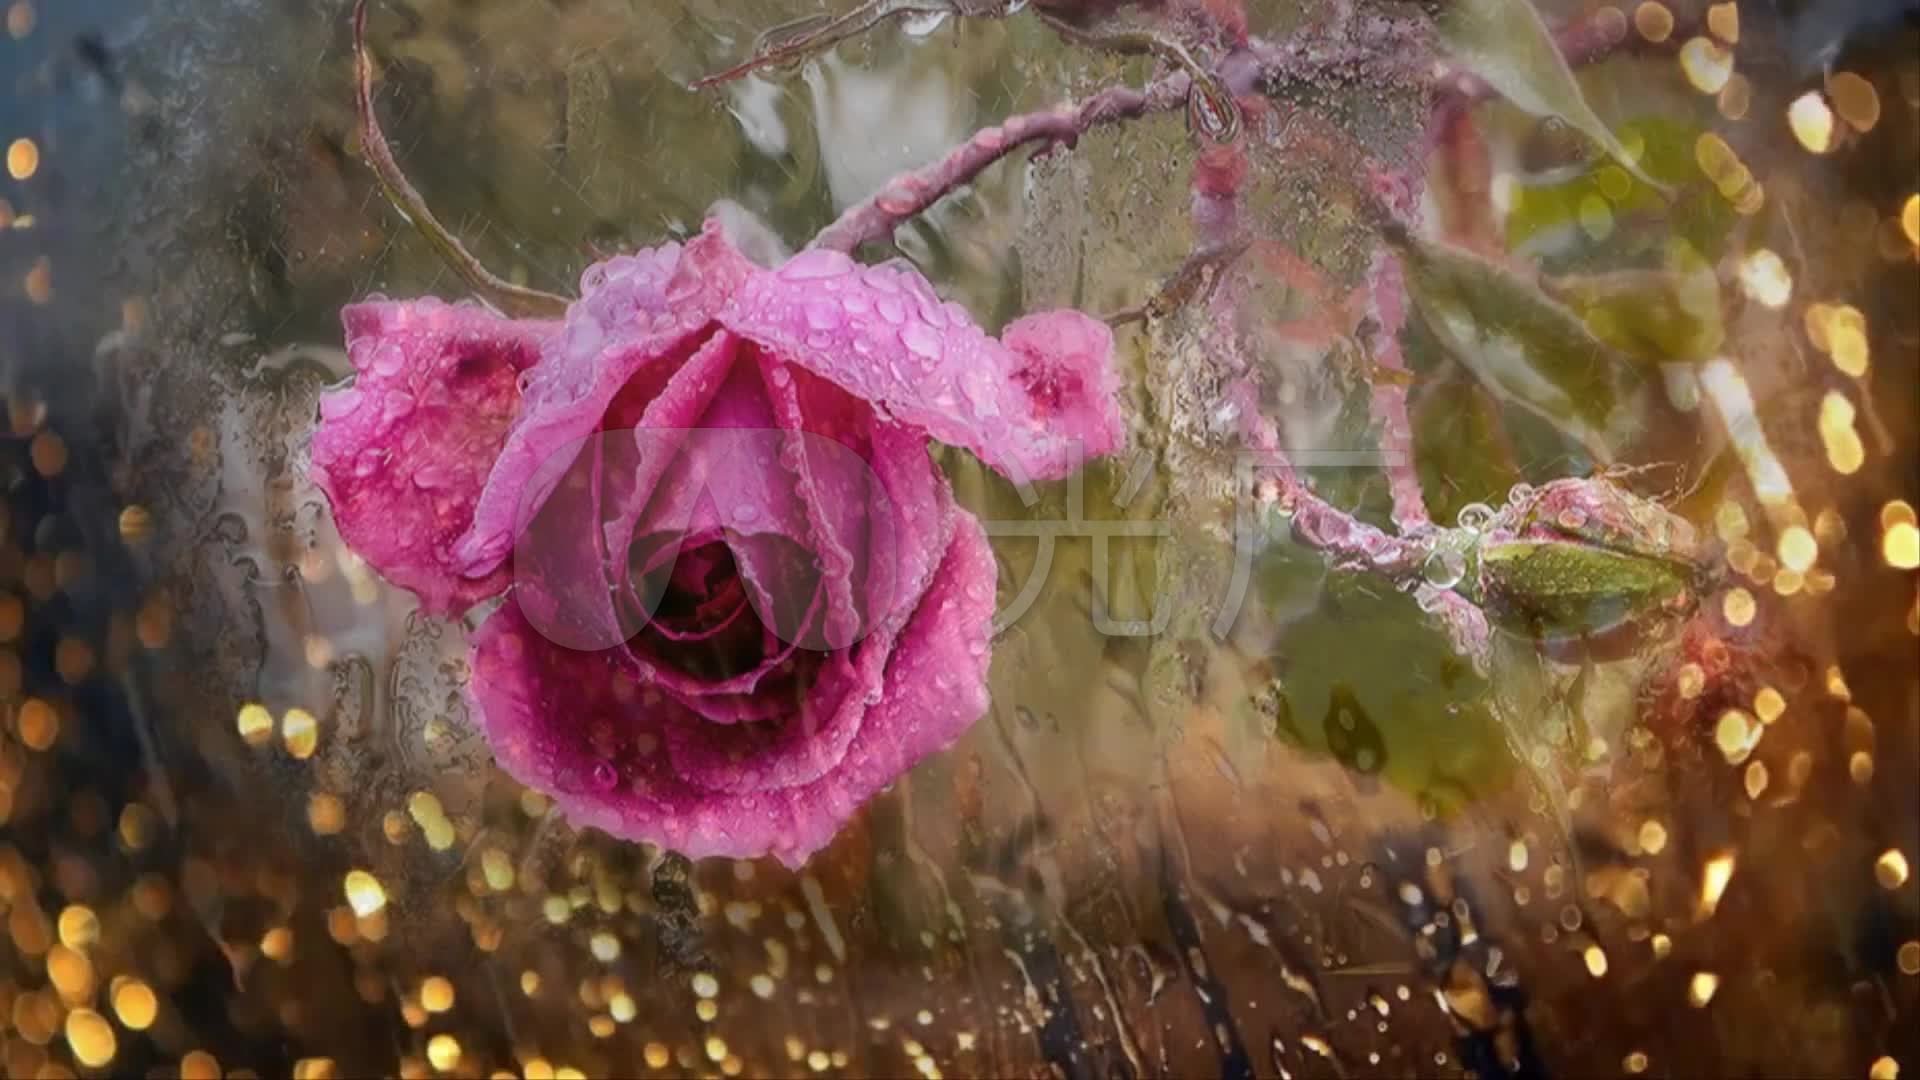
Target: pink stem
(1352, 544)
(1387, 300)
(909, 194)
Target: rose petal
(649, 321)
(403, 453)
(841, 498)
(560, 566)
(725, 470)
(918, 523)
(563, 556)
(1035, 408)
(935, 688)
(574, 725)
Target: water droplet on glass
(1444, 568)
(921, 25)
(1475, 517)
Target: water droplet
(605, 776)
(1444, 568)
(920, 26)
(1572, 519)
(337, 406)
(745, 513)
(921, 340)
(1520, 493)
(387, 360)
(823, 315)
(815, 264)
(891, 309)
(780, 375)
(683, 287)
(1475, 517)
(583, 338)
(395, 405)
(978, 386)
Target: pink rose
(739, 597)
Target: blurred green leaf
(1543, 211)
(1460, 446)
(1523, 346)
(1659, 316)
(1405, 708)
(1505, 43)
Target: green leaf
(1406, 708)
(1526, 348)
(1505, 43)
(1460, 445)
(1545, 208)
(1669, 315)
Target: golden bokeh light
(23, 159)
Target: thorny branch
(1213, 96)
(502, 294)
(1390, 197)
(907, 195)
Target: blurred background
(247, 826)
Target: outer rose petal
(1034, 408)
(643, 316)
(576, 726)
(936, 687)
(403, 453)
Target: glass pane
(957, 537)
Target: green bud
(1583, 559)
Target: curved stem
(813, 34)
(509, 298)
(907, 195)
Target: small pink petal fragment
(403, 453)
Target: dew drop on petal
(921, 340)
(387, 360)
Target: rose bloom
(738, 597)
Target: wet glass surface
(1249, 797)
